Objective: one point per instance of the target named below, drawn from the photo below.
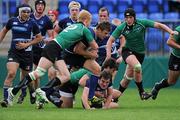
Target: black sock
(49, 87)
(162, 84)
(31, 89)
(121, 88)
(140, 86)
(21, 84)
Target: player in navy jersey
(104, 16)
(45, 26)
(20, 52)
(98, 92)
(74, 8)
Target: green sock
(77, 75)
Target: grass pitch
(166, 107)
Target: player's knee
(11, 74)
(137, 68)
(39, 72)
(126, 77)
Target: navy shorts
(25, 59)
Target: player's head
(40, 6)
(105, 79)
(53, 15)
(74, 8)
(103, 29)
(85, 17)
(103, 14)
(130, 16)
(110, 65)
(24, 11)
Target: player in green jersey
(52, 54)
(133, 52)
(174, 65)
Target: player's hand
(174, 33)
(119, 60)
(94, 54)
(21, 45)
(120, 51)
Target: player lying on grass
(98, 92)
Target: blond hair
(84, 15)
(74, 4)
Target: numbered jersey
(22, 31)
(65, 23)
(72, 34)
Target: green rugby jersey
(135, 37)
(176, 51)
(72, 34)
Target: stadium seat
(153, 6)
(5, 19)
(122, 6)
(12, 7)
(109, 5)
(121, 16)
(112, 16)
(142, 15)
(166, 48)
(83, 3)
(4, 11)
(138, 6)
(98, 1)
(63, 7)
(165, 6)
(94, 18)
(154, 39)
(62, 16)
(129, 1)
(114, 1)
(156, 16)
(171, 16)
(93, 7)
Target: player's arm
(163, 27)
(83, 80)
(3, 33)
(122, 43)
(22, 45)
(84, 98)
(50, 35)
(109, 98)
(172, 42)
(81, 49)
(109, 46)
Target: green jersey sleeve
(177, 37)
(147, 23)
(87, 34)
(118, 31)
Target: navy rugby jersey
(22, 31)
(93, 86)
(102, 43)
(44, 24)
(65, 22)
